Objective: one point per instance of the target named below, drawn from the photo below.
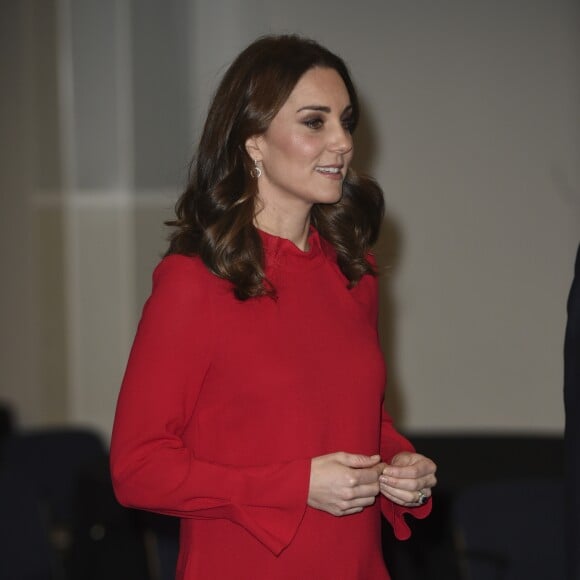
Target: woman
(251, 405)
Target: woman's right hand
(344, 483)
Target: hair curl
(215, 214)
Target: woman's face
(305, 152)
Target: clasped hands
(345, 483)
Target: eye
(314, 123)
(348, 124)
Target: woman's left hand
(408, 479)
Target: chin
(330, 197)
(328, 200)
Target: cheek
(348, 157)
(305, 147)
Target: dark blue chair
(512, 530)
(50, 462)
(91, 536)
(25, 551)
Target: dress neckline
(283, 252)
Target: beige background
(470, 125)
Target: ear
(253, 147)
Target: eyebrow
(322, 109)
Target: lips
(332, 171)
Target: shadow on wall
(388, 251)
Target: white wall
(16, 348)
(482, 178)
(470, 125)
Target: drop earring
(256, 172)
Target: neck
(291, 226)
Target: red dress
(224, 403)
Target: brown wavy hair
(215, 214)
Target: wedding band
(422, 498)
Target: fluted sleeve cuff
(395, 515)
(274, 513)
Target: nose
(341, 140)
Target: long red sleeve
(152, 468)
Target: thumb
(358, 461)
(402, 459)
